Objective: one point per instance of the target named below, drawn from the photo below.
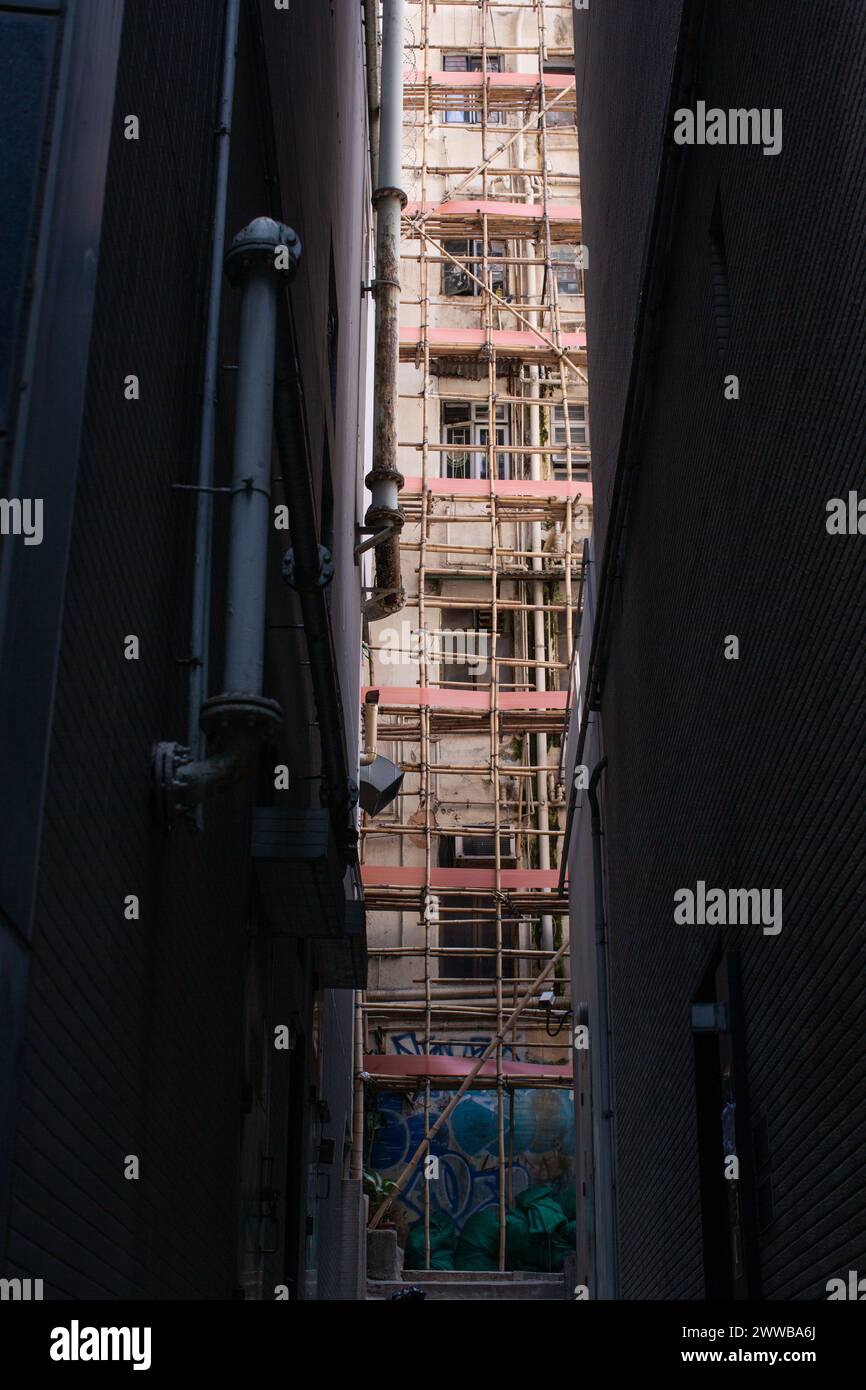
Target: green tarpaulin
(441, 1243)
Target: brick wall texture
(743, 773)
(135, 1030)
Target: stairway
(456, 1285)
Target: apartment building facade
(461, 872)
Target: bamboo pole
(510, 801)
(424, 787)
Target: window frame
(553, 119)
(465, 248)
(567, 267)
(557, 423)
(476, 423)
(473, 113)
(479, 935)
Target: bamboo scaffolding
(495, 1043)
(515, 576)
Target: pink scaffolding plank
(504, 340)
(431, 697)
(399, 1064)
(412, 876)
(497, 208)
(554, 81)
(533, 699)
(502, 487)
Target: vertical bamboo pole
(492, 473)
(423, 657)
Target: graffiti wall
(542, 1145)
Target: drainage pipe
(370, 750)
(384, 479)
(357, 1160)
(371, 46)
(250, 500)
(308, 568)
(198, 669)
(237, 721)
(606, 1277)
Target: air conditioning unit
(476, 848)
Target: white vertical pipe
(200, 632)
(251, 478)
(539, 644)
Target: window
(469, 923)
(467, 423)
(564, 112)
(455, 280)
(569, 275)
(579, 436)
(474, 111)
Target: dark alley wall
(154, 1037)
(741, 773)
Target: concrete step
(459, 1285)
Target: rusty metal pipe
(371, 729)
(384, 479)
(371, 47)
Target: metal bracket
(320, 581)
(191, 487)
(374, 538)
(169, 805)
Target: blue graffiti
(541, 1146)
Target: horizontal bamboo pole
(407, 1007)
(484, 770)
(509, 1083)
(448, 259)
(580, 449)
(529, 5)
(499, 48)
(439, 832)
(457, 950)
(461, 396)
